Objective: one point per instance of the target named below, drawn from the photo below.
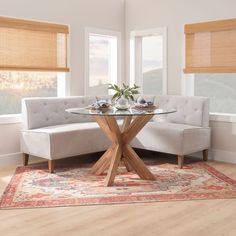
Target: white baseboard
(15, 159)
(222, 155)
(219, 155)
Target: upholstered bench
(52, 133)
(183, 132)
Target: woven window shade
(32, 46)
(211, 47)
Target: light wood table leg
(98, 168)
(127, 165)
(113, 166)
(120, 148)
(137, 164)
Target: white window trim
(223, 117)
(16, 118)
(188, 90)
(10, 119)
(136, 60)
(88, 31)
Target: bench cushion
(180, 139)
(66, 140)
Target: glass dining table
(121, 135)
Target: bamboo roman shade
(211, 47)
(30, 45)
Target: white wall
(105, 14)
(144, 14)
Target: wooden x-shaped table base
(120, 149)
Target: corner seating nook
(52, 133)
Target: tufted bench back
(43, 112)
(190, 110)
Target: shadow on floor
(89, 159)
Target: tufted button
(47, 119)
(66, 118)
(45, 104)
(82, 102)
(195, 109)
(35, 112)
(167, 100)
(186, 102)
(184, 116)
(65, 103)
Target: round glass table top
(112, 111)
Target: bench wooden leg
(51, 164)
(180, 161)
(205, 155)
(25, 159)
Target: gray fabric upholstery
(52, 133)
(179, 139)
(41, 112)
(190, 110)
(65, 140)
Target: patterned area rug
(34, 187)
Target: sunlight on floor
(4, 181)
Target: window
(17, 85)
(220, 88)
(33, 61)
(152, 64)
(102, 63)
(210, 57)
(148, 60)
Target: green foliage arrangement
(125, 91)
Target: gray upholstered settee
(52, 133)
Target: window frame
(136, 55)
(101, 32)
(10, 119)
(188, 90)
(62, 91)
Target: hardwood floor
(179, 218)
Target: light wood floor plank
(179, 218)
